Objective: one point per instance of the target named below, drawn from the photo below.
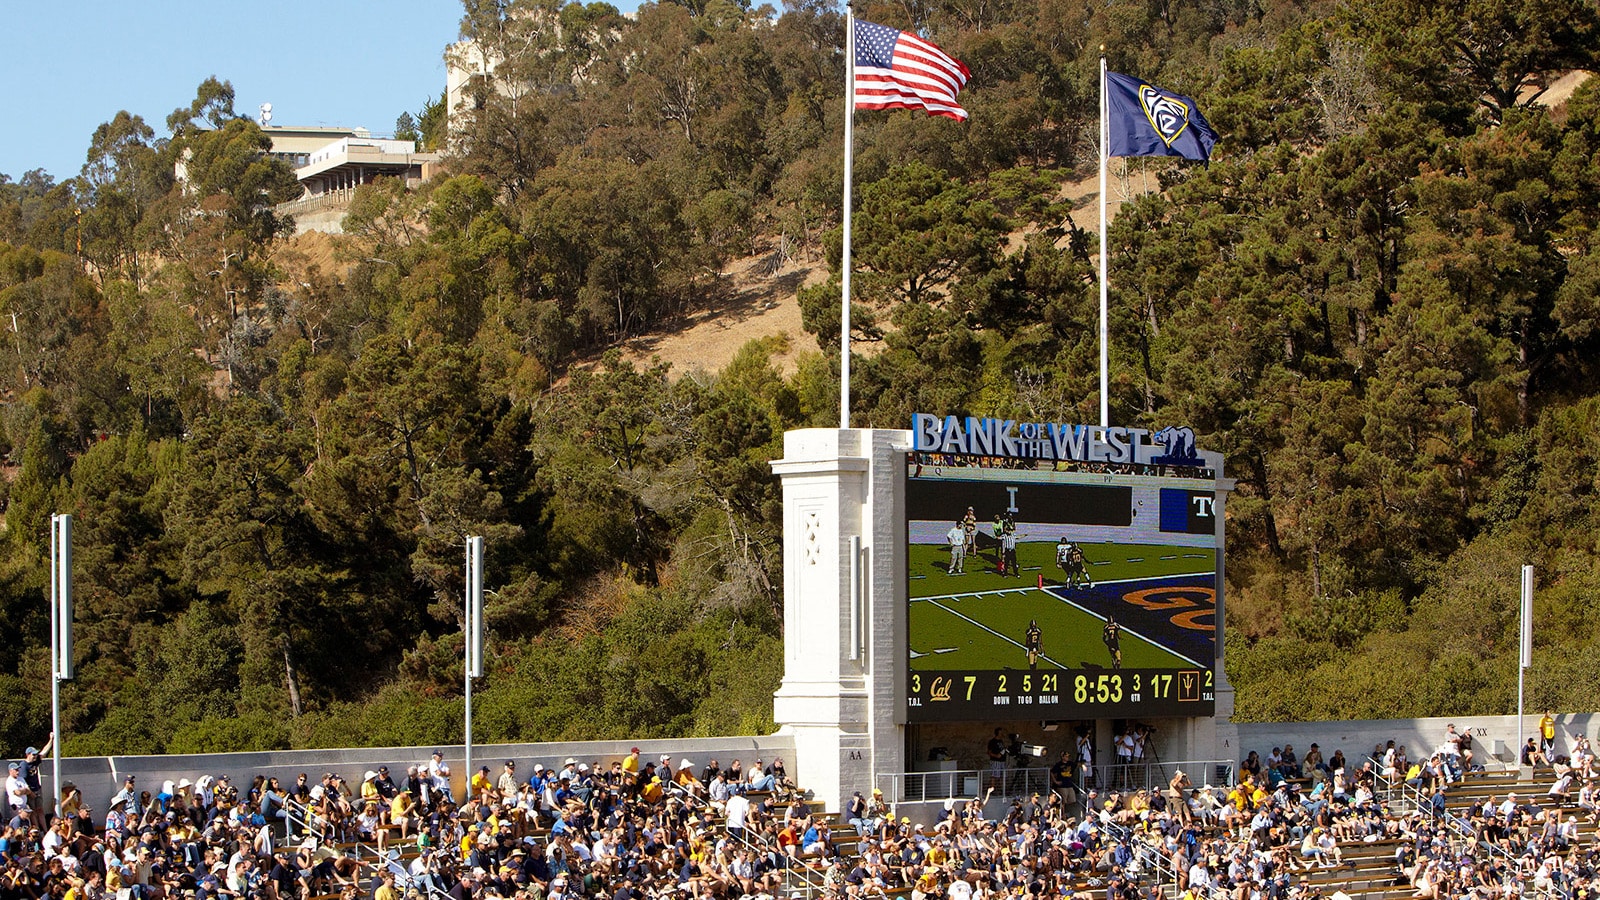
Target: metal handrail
(953, 784)
(305, 819)
(792, 869)
(1156, 774)
(1022, 781)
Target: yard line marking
(1013, 590)
(1012, 641)
(1126, 629)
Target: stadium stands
(637, 827)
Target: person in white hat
(440, 772)
(686, 780)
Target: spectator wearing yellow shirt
(401, 810)
(481, 785)
(386, 889)
(1547, 732)
(686, 779)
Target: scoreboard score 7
(1124, 693)
(1037, 592)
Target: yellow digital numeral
(971, 680)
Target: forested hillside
(1379, 300)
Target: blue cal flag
(1144, 120)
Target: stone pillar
(842, 625)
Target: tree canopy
(1378, 300)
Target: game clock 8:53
(956, 696)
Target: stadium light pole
(473, 626)
(60, 638)
(1524, 647)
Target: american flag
(898, 70)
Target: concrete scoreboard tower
(844, 696)
(842, 602)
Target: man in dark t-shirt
(1061, 777)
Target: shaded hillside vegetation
(1378, 300)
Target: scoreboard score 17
(1035, 592)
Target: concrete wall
(100, 777)
(324, 212)
(1419, 736)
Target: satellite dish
(266, 113)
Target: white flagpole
(849, 165)
(1105, 331)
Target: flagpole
(849, 165)
(1105, 330)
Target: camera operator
(997, 751)
(1061, 781)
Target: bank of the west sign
(972, 436)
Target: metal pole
(55, 663)
(1524, 646)
(466, 624)
(849, 164)
(1105, 271)
(474, 634)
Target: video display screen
(1037, 593)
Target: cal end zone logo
(1168, 116)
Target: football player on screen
(1074, 567)
(1031, 641)
(1112, 635)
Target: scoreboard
(1057, 591)
(1123, 693)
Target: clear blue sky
(67, 67)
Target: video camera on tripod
(1019, 753)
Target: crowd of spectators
(638, 828)
(622, 830)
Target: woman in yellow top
(369, 788)
(686, 780)
(401, 809)
(71, 799)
